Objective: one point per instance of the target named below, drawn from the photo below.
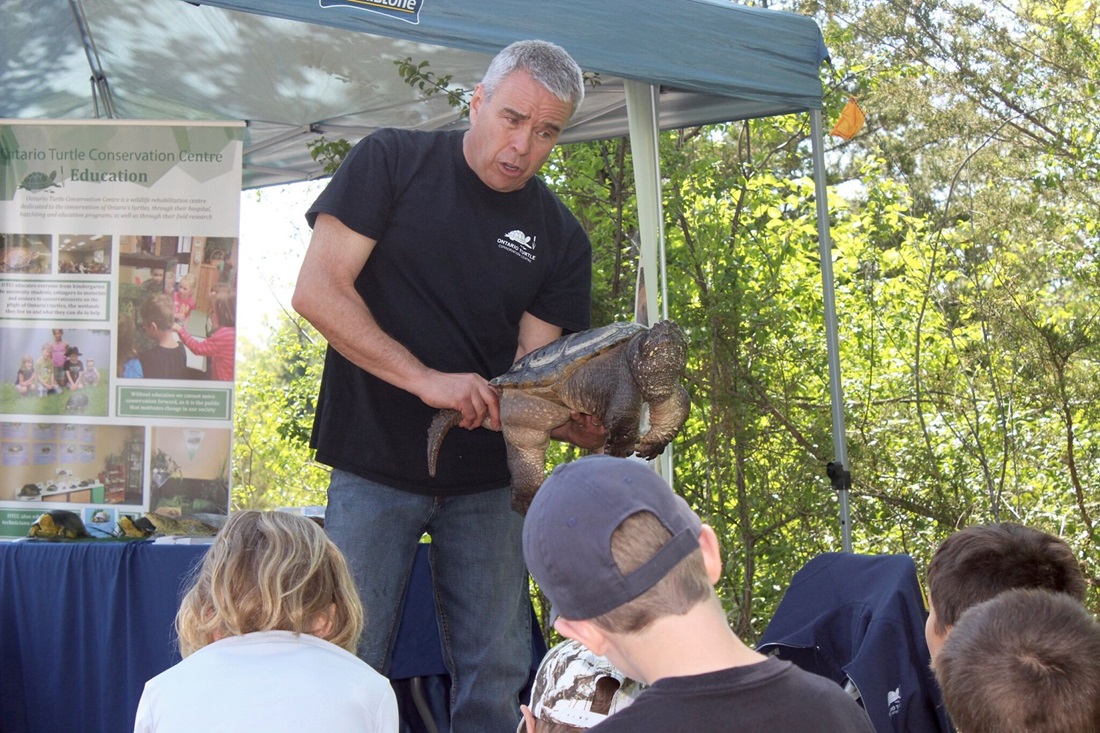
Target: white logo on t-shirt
(518, 244)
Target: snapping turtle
(183, 526)
(607, 372)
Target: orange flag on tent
(850, 122)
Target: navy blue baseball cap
(567, 533)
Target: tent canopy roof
(336, 74)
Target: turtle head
(658, 358)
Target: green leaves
(330, 153)
(421, 78)
(273, 416)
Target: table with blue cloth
(83, 625)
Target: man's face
(512, 134)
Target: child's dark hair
(1027, 660)
(978, 562)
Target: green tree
(276, 394)
(965, 249)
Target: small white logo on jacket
(893, 701)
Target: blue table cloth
(83, 625)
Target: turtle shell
(58, 523)
(550, 363)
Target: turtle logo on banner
(406, 10)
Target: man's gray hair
(547, 63)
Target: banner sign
(406, 10)
(118, 280)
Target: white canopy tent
(295, 70)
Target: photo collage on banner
(118, 291)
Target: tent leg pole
(839, 472)
(641, 105)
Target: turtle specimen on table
(607, 372)
(181, 526)
(135, 527)
(59, 524)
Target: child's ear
(712, 553)
(586, 632)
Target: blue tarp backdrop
(334, 74)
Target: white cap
(565, 687)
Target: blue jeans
(479, 580)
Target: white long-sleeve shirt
(271, 681)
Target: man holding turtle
(437, 259)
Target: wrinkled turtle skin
(608, 372)
(59, 523)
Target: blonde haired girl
(268, 632)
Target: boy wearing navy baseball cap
(629, 570)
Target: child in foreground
(268, 633)
(1027, 661)
(981, 561)
(629, 570)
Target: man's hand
(467, 393)
(583, 430)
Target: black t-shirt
(160, 362)
(74, 368)
(772, 696)
(455, 266)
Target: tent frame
(299, 69)
(642, 101)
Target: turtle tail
(441, 425)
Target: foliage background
(965, 232)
